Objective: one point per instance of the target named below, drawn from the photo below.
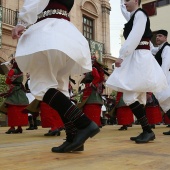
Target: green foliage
(3, 86)
(113, 94)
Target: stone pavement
(109, 150)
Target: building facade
(158, 13)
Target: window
(162, 2)
(88, 28)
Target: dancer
(50, 50)
(32, 118)
(162, 53)
(16, 100)
(137, 72)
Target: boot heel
(94, 133)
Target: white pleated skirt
(54, 34)
(50, 51)
(139, 72)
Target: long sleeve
(153, 49)
(125, 13)
(166, 61)
(29, 13)
(135, 35)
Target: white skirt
(139, 72)
(54, 34)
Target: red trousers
(124, 116)
(16, 117)
(50, 117)
(93, 112)
(153, 114)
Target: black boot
(152, 126)
(31, 127)
(53, 133)
(136, 137)
(69, 112)
(70, 134)
(11, 130)
(166, 133)
(82, 135)
(147, 134)
(145, 137)
(35, 122)
(61, 148)
(124, 127)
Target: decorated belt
(53, 12)
(144, 44)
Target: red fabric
(118, 97)
(124, 116)
(166, 119)
(16, 117)
(93, 112)
(96, 76)
(153, 114)
(9, 77)
(88, 89)
(50, 117)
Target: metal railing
(9, 16)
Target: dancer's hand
(118, 62)
(17, 31)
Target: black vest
(128, 26)
(158, 55)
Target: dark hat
(163, 32)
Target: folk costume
(153, 111)
(32, 118)
(16, 100)
(51, 50)
(162, 53)
(92, 99)
(124, 114)
(139, 71)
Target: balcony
(9, 16)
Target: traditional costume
(139, 71)
(51, 50)
(92, 100)
(162, 53)
(16, 100)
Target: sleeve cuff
(23, 23)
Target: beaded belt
(53, 12)
(144, 44)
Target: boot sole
(146, 141)
(91, 135)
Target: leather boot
(31, 127)
(61, 148)
(136, 137)
(166, 133)
(19, 130)
(145, 137)
(11, 130)
(53, 133)
(124, 127)
(82, 135)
